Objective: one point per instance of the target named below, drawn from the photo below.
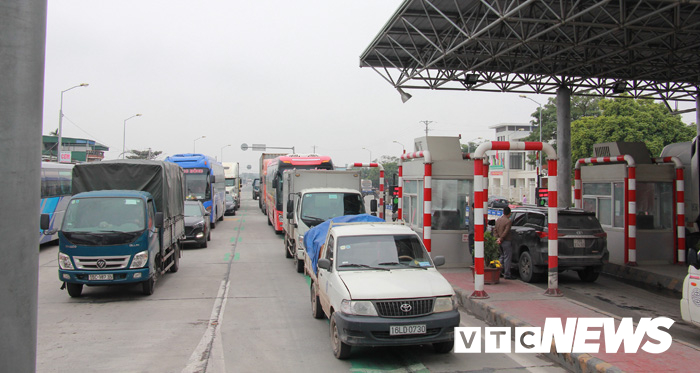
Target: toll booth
(633, 197)
(449, 208)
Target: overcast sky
(276, 72)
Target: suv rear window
(578, 221)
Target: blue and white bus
(55, 193)
(204, 181)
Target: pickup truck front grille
(98, 263)
(405, 308)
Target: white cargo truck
(378, 286)
(311, 197)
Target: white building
(510, 174)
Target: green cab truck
(123, 224)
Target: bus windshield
(319, 207)
(197, 187)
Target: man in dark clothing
(503, 238)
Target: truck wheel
(340, 349)
(74, 290)
(269, 222)
(589, 274)
(299, 264)
(212, 225)
(443, 347)
(148, 286)
(316, 310)
(176, 259)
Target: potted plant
(492, 266)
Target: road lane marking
(200, 356)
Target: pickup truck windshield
(319, 207)
(113, 220)
(387, 251)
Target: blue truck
(123, 225)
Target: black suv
(583, 243)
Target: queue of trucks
(125, 221)
(123, 224)
(373, 280)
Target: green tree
(391, 167)
(628, 120)
(143, 154)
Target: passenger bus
(204, 182)
(273, 181)
(233, 181)
(55, 193)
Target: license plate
(406, 329)
(579, 243)
(106, 276)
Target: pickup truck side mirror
(373, 205)
(45, 221)
(324, 264)
(158, 220)
(439, 261)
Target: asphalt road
(236, 306)
(623, 300)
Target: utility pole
(426, 122)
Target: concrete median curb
(581, 363)
(645, 279)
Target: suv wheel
(589, 274)
(526, 268)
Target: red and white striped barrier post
(399, 212)
(427, 192)
(382, 212)
(630, 192)
(479, 216)
(679, 223)
(485, 182)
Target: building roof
(647, 48)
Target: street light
(370, 154)
(60, 122)
(124, 139)
(539, 158)
(194, 144)
(222, 151)
(402, 147)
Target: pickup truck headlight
(64, 261)
(300, 240)
(140, 260)
(445, 304)
(358, 307)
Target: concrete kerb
(645, 279)
(580, 363)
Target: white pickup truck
(690, 303)
(311, 197)
(378, 286)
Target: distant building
(82, 150)
(510, 174)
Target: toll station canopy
(646, 48)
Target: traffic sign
(244, 146)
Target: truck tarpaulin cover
(316, 236)
(164, 180)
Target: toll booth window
(413, 203)
(449, 204)
(597, 198)
(654, 205)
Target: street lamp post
(402, 147)
(60, 122)
(222, 151)
(539, 157)
(124, 139)
(194, 144)
(370, 154)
